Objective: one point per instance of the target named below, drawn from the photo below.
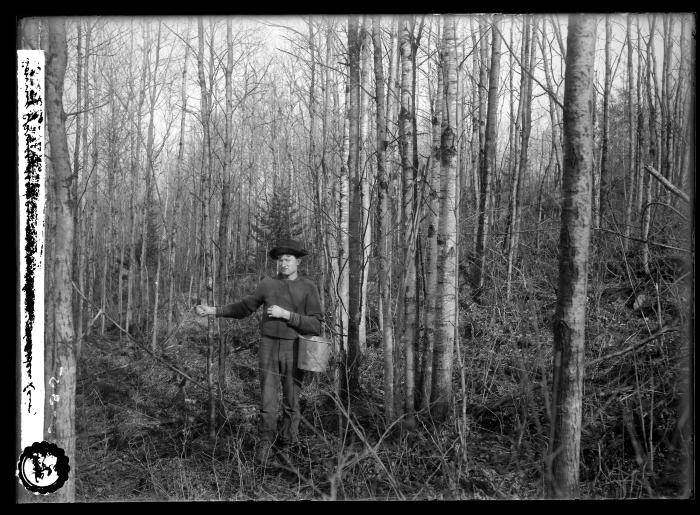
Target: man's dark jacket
(299, 297)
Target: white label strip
(32, 199)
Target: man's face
(288, 264)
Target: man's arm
(241, 309)
(244, 307)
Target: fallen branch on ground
(634, 347)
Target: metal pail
(314, 353)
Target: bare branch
(666, 183)
(544, 88)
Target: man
(291, 307)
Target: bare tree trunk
(666, 134)
(149, 172)
(631, 171)
(431, 244)
(92, 261)
(317, 172)
(225, 209)
(176, 205)
(82, 133)
(653, 145)
(686, 71)
(488, 164)
(107, 227)
(461, 124)
(120, 282)
(38, 34)
(658, 109)
(678, 124)
(595, 185)
(525, 144)
(604, 172)
(391, 83)
(343, 250)
(483, 88)
(520, 162)
(132, 223)
(475, 141)
(383, 240)
(569, 323)
(80, 104)
(365, 174)
(553, 109)
(514, 125)
(394, 201)
(446, 298)
(132, 251)
(156, 283)
(134, 299)
(414, 308)
(206, 239)
(407, 293)
(540, 190)
(688, 429)
(355, 222)
(640, 126)
(49, 313)
(60, 337)
(227, 165)
(330, 238)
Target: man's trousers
(277, 361)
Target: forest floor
(142, 435)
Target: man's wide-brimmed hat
(287, 247)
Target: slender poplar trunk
(80, 104)
(446, 298)
(60, 336)
(149, 172)
(653, 145)
(431, 244)
(563, 456)
(343, 251)
(641, 101)
(407, 294)
(474, 141)
(223, 241)
(553, 109)
(383, 240)
(483, 88)
(82, 133)
(206, 236)
(355, 221)
(604, 165)
(665, 165)
(632, 176)
(488, 164)
(156, 283)
(366, 180)
(172, 246)
(520, 162)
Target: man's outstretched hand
(203, 310)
